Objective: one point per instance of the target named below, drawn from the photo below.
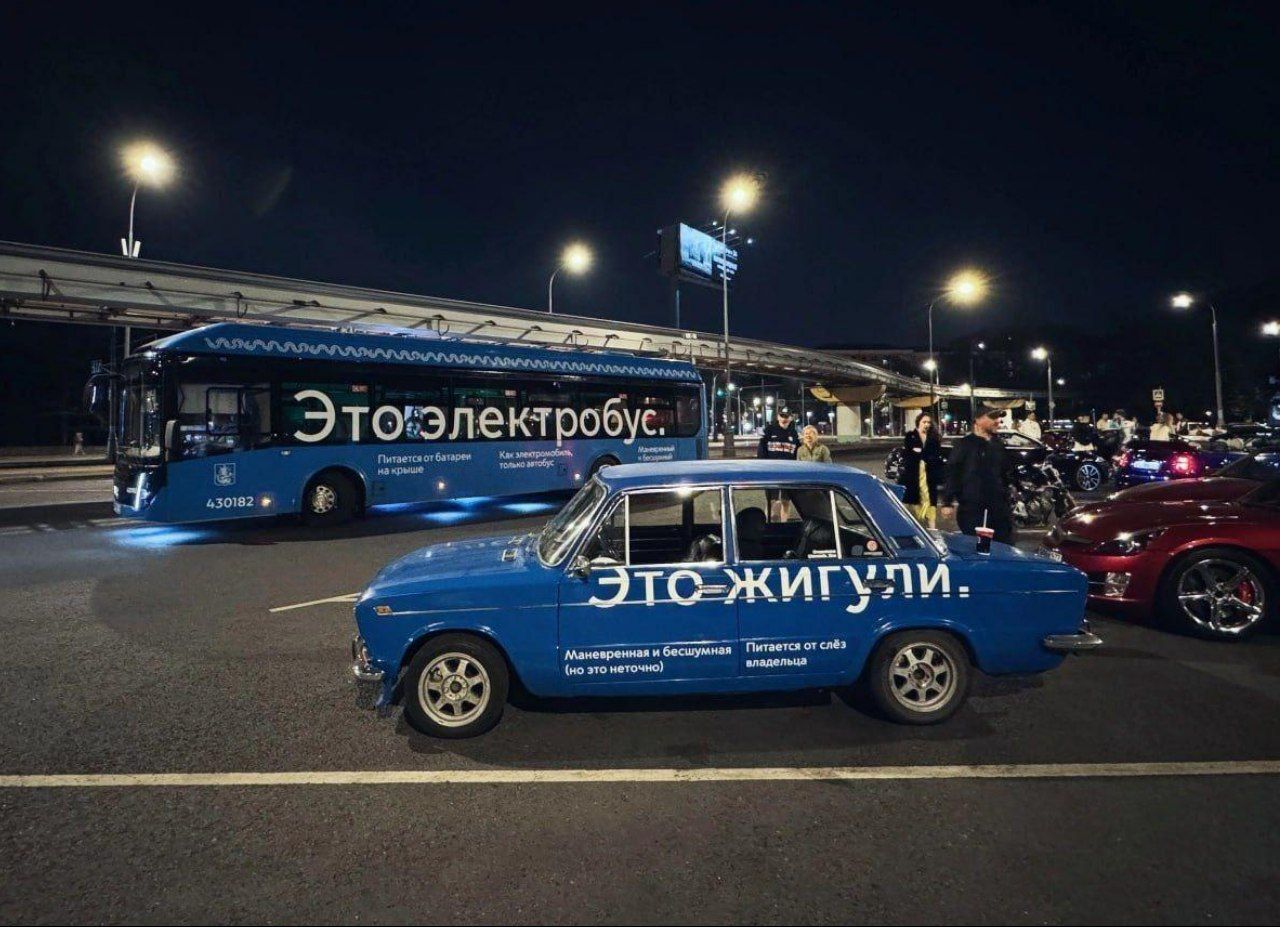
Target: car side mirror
(581, 567)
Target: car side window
(784, 523)
(857, 537)
(664, 527)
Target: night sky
(1092, 158)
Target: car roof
(673, 473)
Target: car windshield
(1258, 467)
(560, 533)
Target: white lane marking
(709, 774)
(345, 597)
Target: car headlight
(1128, 542)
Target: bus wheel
(600, 464)
(329, 499)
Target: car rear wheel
(1088, 476)
(1217, 593)
(918, 677)
(456, 686)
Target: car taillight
(1183, 464)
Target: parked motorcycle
(1037, 495)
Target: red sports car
(1202, 554)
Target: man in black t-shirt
(975, 479)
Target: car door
(646, 600)
(807, 596)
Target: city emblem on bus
(224, 474)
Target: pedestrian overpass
(57, 285)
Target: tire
(1217, 592)
(330, 499)
(600, 463)
(896, 682)
(1088, 476)
(456, 686)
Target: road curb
(11, 479)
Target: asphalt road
(138, 649)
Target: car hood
(1210, 489)
(966, 545)
(1105, 521)
(472, 560)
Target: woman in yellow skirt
(922, 470)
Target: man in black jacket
(975, 479)
(779, 440)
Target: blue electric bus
(234, 420)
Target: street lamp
(738, 195)
(576, 259)
(963, 289)
(1271, 329)
(1042, 354)
(1186, 301)
(144, 163)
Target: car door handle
(880, 585)
(714, 590)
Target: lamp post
(963, 289)
(1186, 301)
(973, 409)
(1042, 354)
(576, 259)
(144, 163)
(738, 195)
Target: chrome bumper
(1081, 641)
(361, 668)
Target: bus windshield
(140, 421)
(562, 530)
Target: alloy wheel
(921, 677)
(454, 690)
(1222, 596)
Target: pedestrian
(1030, 427)
(1126, 425)
(810, 449)
(975, 488)
(1084, 437)
(779, 440)
(922, 470)
(1162, 429)
(77, 444)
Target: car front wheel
(456, 686)
(1218, 593)
(1088, 476)
(918, 677)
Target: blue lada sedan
(713, 577)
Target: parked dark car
(1159, 461)
(1084, 470)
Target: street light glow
(148, 163)
(576, 258)
(1040, 353)
(740, 193)
(930, 365)
(1182, 301)
(967, 287)
(1271, 328)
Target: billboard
(689, 254)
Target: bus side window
(343, 396)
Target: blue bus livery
(235, 420)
